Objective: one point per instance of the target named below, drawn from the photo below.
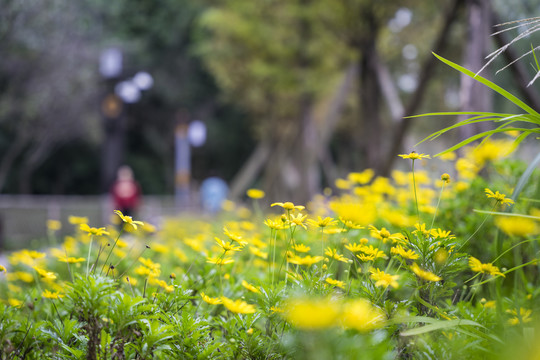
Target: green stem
(437, 208)
(88, 258)
(274, 257)
(415, 196)
(507, 272)
(291, 239)
(114, 245)
(523, 242)
(133, 262)
(477, 229)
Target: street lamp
(119, 90)
(188, 133)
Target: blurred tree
(279, 59)
(271, 58)
(46, 85)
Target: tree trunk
(369, 127)
(427, 69)
(474, 96)
(371, 133)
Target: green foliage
(420, 294)
(510, 122)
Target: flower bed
(401, 267)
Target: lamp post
(119, 91)
(187, 134)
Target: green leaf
(439, 325)
(411, 319)
(481, 135)
(507, 214)
(491, 85)
(525, 177)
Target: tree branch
(425, 76)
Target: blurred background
(281, 95)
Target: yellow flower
(312, 314)
(149, 263)
(27, 257)
(361, 315)
(343, 184)
(15, 302)
(14, 288)
(524, 314)
(219, 260)
(423, 274)
(250, 287)
(370, 250)
(350, 224)
(301, 248)
(362, 177)
(442, 234)
(70, 260)
(128, 219)
(406, 254)
(382, 234)
(234, 236)
(414, 156)
(54, 225)
(446, 178)
(2, 269)
(299, 220)
(238, 306)
(149, 228)
(354, 247)
(449, 156)
(94, 231)
(421, 228)
(488, 304)
(366, 258)
(490, 150)
(20, 275)
(333, 230)
(289, 206)
(255, 193)
(307, 260)
(383, 279)
(167, 287)
(258, 252)
(320, 222)
(501, 198)
(466, 168)
(340, 284)
(228, 205)
(51, 295)
(227, 246)
(77, 220)
(46, 275)
(477, 266)
(332, 253)
(516, 226)
(275, 225)
(209, 300)
(131, 281)
(274, 309)
(349, 208)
